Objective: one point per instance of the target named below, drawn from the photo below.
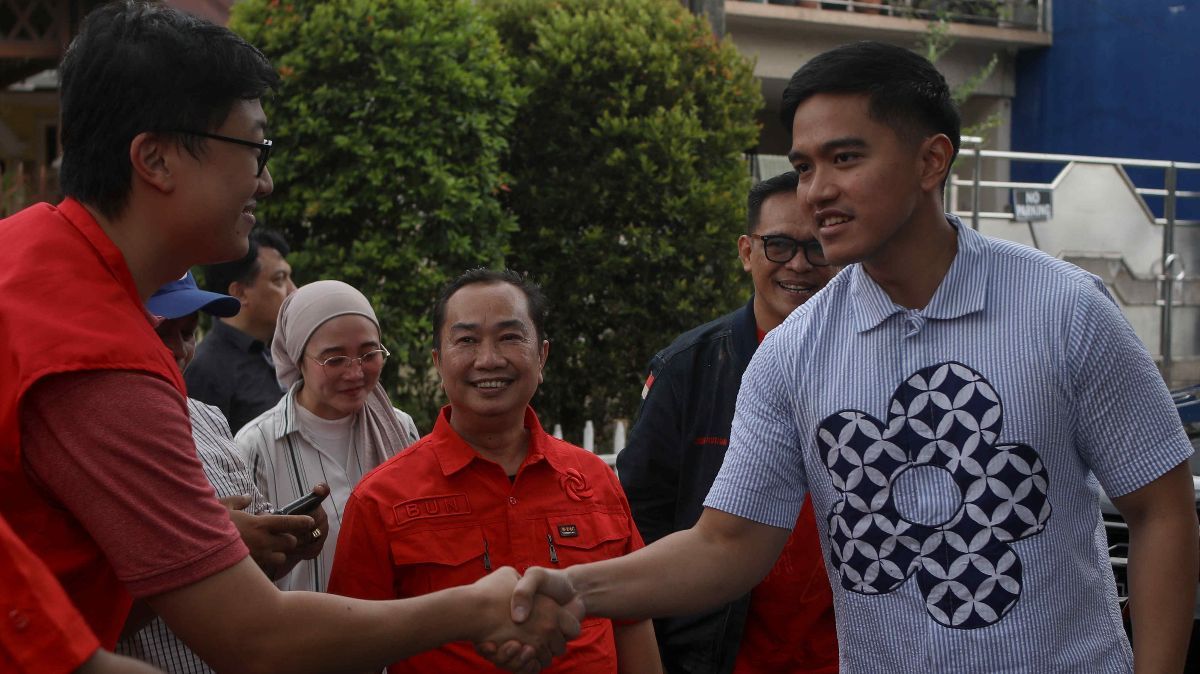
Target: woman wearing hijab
(335, 423)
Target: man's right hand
(270, 538)
(543, 632)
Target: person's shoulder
(261, 429)
(406, 422)
(695, 342)
(583, 460)
(410, 467)
(1013, 257)
(210, 365)
(198, 409)
(216, 341)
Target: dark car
(1187, 402)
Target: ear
(745, 244)
(936, 155)
(545, 353)
(437, 363)
(152, 156)
(238, 289)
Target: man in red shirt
(164, 159)
(785, 625)
(489, 486)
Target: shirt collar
(962, 291)
(241, 340)
(454, 454)
(287, 421)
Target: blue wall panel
(1122, 79)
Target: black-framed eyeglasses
(781, 249)
(264, 148)
(370, 360)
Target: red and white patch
(646, 388)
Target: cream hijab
(378, 433)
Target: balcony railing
(1023, 14)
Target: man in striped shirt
(952, 404)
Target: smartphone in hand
(303, 505)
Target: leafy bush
(389, 127)
(629, 183)
(622, 125)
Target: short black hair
(138, 67)
(218, 277)
(534, 297)
(784, 182)
(905, 91)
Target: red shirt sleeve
(115, 448)
(40, 631)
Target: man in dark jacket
(678, 444)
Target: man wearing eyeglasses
(785, 625)
(164, 159)
(233, 370)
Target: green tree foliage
(934, 44)
(629, 183)
(389, 128)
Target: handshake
(528, 620)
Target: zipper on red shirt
(553, 552)
(487, 558)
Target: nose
(819, 189)
(488, 356)
(355, 370)
(799, 262)
(266, 184)
(291, 286)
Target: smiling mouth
(834, 220)
(491, 383)
(796, 287)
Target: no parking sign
(1032, 205)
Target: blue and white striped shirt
(954, 456)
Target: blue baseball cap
(182, 297)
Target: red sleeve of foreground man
(130, 474)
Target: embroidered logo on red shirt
(575, 485)
(433, 506)
(567, 531)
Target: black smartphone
(303, 505)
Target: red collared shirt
(438, 515)
(794, 599)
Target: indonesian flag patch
(646, 388)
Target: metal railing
(1171, 266)
(1023, 14)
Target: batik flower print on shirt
(932, 492)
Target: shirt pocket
(587, 537)
(435, 559)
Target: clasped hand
(534, 617)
